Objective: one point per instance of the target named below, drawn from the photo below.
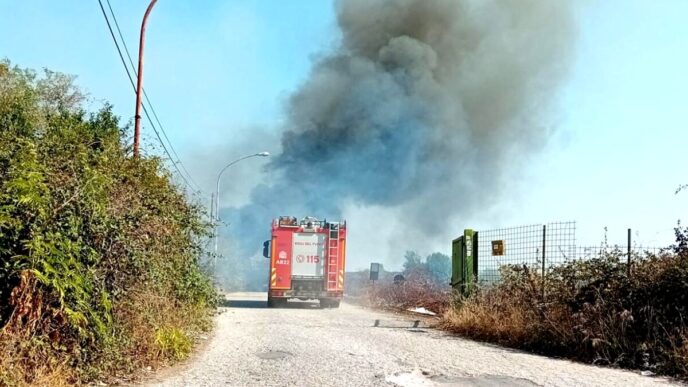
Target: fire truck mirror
(266, 249)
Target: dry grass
(155, 331)
(13, 370)
(593, 312)
(418, 290)
(151, 331)
(28, 358)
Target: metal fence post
(629, 253)
(544, 237)
(457, 270)
(475, 257)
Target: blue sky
(207, 68)
(618, 155)
(218, 73)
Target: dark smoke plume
(425, 105)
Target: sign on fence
(498, 247)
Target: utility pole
(139, 81)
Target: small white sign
(308, 254)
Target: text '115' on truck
(307, 260)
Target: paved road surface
(302, 345)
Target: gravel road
(301, 345)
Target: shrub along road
(304, 345)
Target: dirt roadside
(302, 345)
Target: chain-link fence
(541, 247)
(534, 245)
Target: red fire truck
(307, 260)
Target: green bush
(173, 342)
(85, 230)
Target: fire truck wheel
(277, 302)
(329, 303)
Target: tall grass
(418, 289)
(592, 311)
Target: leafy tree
(681, 246)
(412, 261)
(439, 267)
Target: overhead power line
(145, 94)
(175, 162)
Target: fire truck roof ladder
(332, 256)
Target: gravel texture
(302, 345)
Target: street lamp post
(217, 190)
